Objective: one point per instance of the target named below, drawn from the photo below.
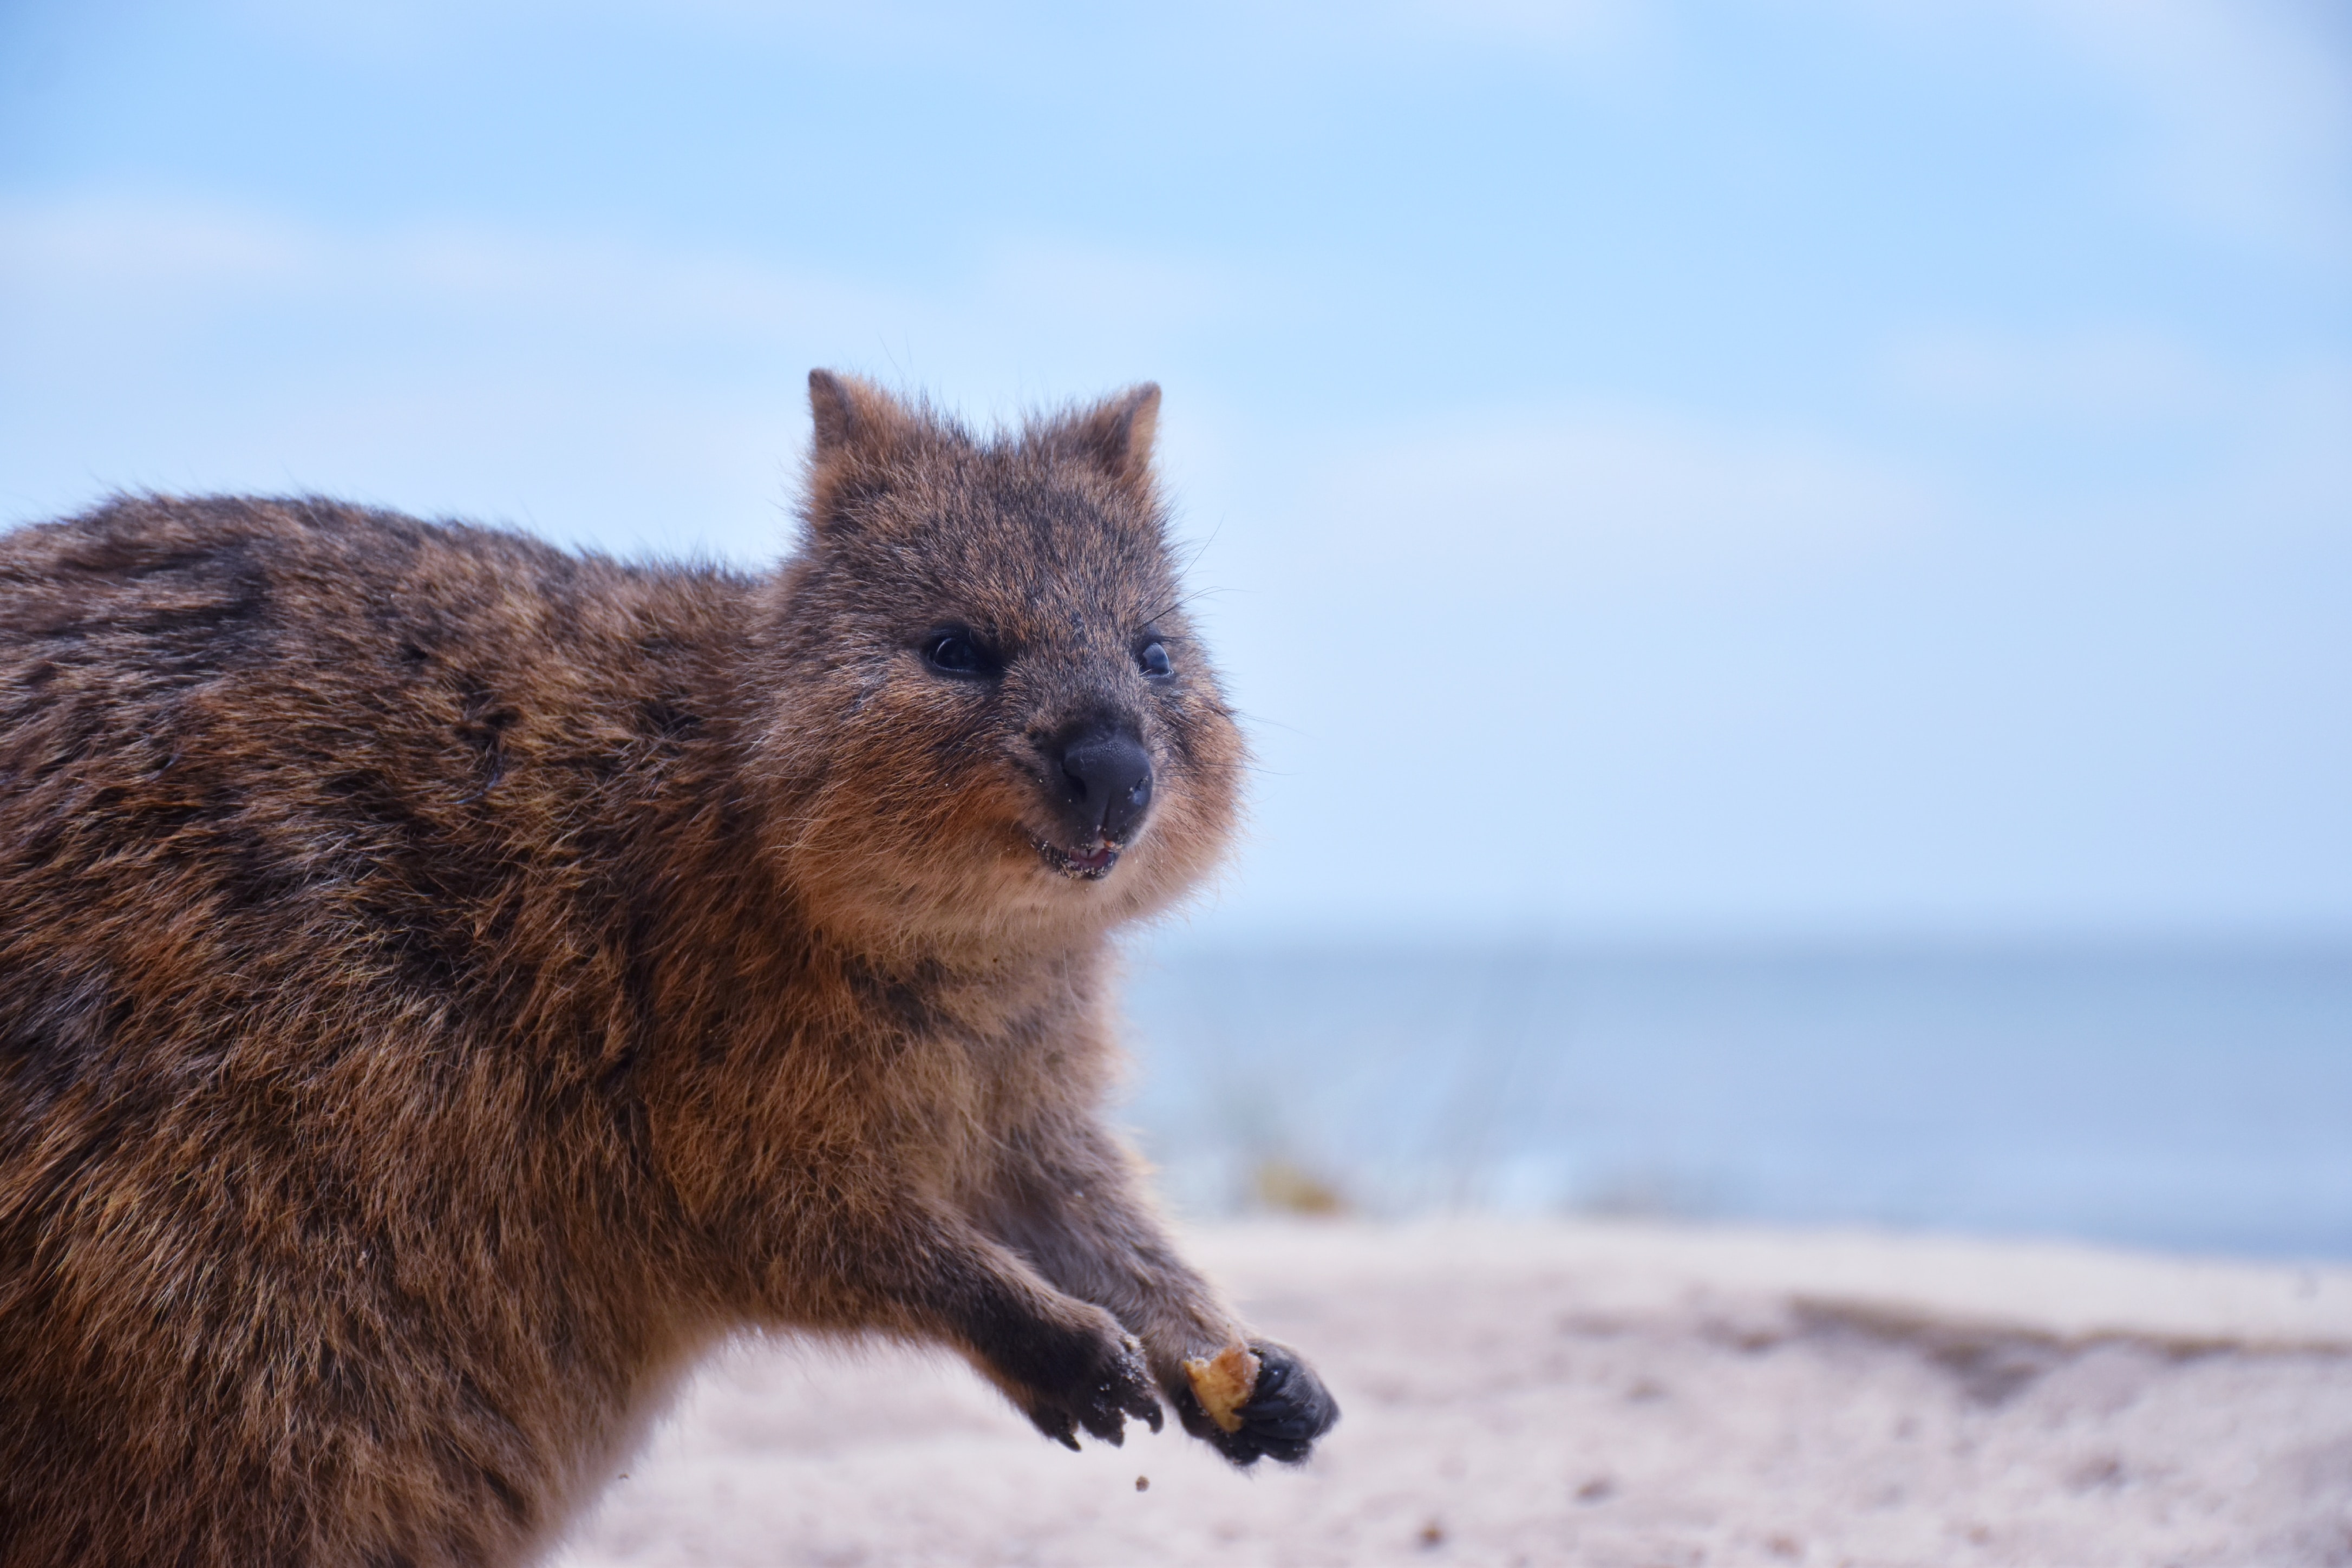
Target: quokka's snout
(1103, 782)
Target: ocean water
(2182, 1098)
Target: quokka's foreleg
(1068, 1365)
(1070, 1201)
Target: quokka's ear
(1116, 434)
(854, 419)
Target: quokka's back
(445, 983)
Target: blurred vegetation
(1288, 1189)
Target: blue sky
(1837, 468)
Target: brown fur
(447, 983)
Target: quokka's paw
(1104, 1381)
(1287, 1410)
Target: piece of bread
(1222, 1383)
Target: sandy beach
(1589, 1394)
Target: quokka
(448, 983)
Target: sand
(1557, 1393)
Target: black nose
(1106, 782)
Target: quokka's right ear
(855, 419)
(1117, 434)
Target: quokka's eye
(1152, 659)
(958, 653)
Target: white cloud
(1020, 38)
(136, 253)
(2248, 102)
(2250, 449)
(1545, 499)
(2111, 376)
(2292, 472)
(607, 389)
(2256, 97)
(99, 259)
(88, 243)
(1573, 27)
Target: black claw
(1152, 1417)
(1055, 1423)
(1112, 1386)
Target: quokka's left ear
(1116, 434)
(855, 419)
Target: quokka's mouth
(1091, 867)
